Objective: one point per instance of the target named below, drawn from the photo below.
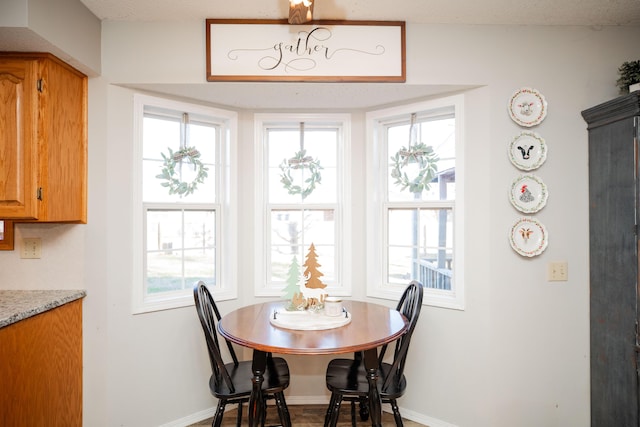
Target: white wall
(517, 356)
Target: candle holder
(300, 11)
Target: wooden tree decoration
(293, 276)
(312, 287)
(311, 271)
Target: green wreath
(175, 185)
(426, 159)
(300, 161)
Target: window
(301, 187)
(183, 155)
(415, 201)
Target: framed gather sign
(319, 51)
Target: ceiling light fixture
(300, 11)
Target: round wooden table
(372, 325)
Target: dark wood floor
(306, 416)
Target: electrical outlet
(558, 271)
(31, 248)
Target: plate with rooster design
(528, 237)
(527, 151)
(528, 194)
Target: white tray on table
(308, 320)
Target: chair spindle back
(409, 305)
(209, 317)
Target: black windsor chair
(347, 378)
(231, 383)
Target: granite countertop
(16, 305)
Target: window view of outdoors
(302, 168)
(420, 201)
(179, 183)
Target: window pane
(302, 167)
(400, 264)
(158, 135)
(421, 246)
(165, 171)
(319, 227)
(164, 230)
(281, 261)
(199, 264)
(293, 232)
(203, 137)
(403, 225)
(286, 230)
(405, 155)
(164, 272)
(180, 249)
(199, 231)
(291, 228)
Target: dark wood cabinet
(614, 206)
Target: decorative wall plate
(527, 151)
(528, 194)
(527, 107)
(528, 237)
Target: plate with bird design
(527, 151)
(528, 237)
(528, 194)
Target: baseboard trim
(423, 419)
(308, 400)
(194, 418)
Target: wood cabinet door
(62, 138)
(613, 188)
(41, 369)
(18, 141)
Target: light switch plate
(31, 248)
(558, 271)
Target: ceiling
(525, 12)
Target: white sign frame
(319, 51)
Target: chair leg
(364, 409)
(239, 416)
(335, 411)
(396, 413)
(283, 410)
(264, 411)
(217, 419)
(353, 413)
(329, 413)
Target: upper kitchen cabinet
(43, 139)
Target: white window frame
(226, 227)
(377, 176)
(342, 286)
